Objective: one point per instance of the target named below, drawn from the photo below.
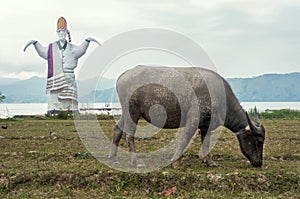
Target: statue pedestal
(55, 104)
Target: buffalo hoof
(211, 164)
(113, 160)
(257, 164)
(176, 158)
(208, 161)
(116, 162)
(141, 165)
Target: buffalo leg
(130, 125)
(187, 134)
(116, 140)
(130, 142)
(206, 159)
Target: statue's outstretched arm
(28, 44)
(41, 50)
(80, 50)
(92, 39)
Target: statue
(62, 57)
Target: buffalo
(189, 97)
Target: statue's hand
(29, 43)
(92, 39)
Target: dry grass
(35, 164)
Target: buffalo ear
(245, 131)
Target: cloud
(242, 37)
(22, 75)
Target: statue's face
(62, 33)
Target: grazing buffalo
(189, 97)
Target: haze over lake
(269, 91)
(9, 110)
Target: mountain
(33, 90)
(5, 81)
(24, 91)
(106, 95)
(268, 87)
(86, 87)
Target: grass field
(34, 164)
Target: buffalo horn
(252, 126)
(256, 115)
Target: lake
(9, 110)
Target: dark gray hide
(189, 97)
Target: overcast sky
(243, 38)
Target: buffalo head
(252, 140)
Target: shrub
(277, 114)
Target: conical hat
(61, 23)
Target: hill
(268, 87)
(24, 91)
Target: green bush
(107, 117)
(63, 115)
(277, 114)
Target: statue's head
(62, 33)
(62, 30)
